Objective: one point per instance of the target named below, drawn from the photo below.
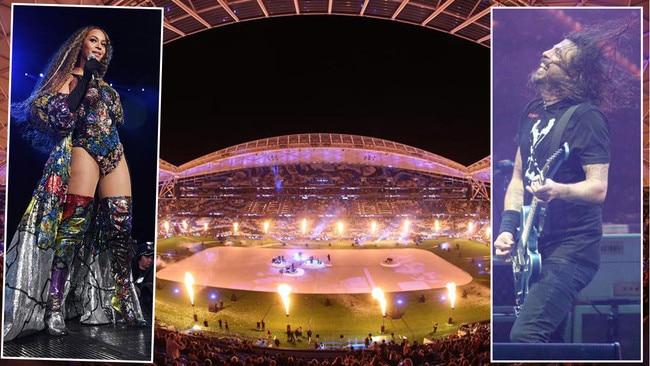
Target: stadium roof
(325, 148)
(468, 19)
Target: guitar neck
(552, 164)
(528, 223)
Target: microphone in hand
(91, 71)
(92, 66)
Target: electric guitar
(525, 258)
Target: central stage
(349, 270)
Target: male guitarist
(574, 71)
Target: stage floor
(85, 342)
(349, 270)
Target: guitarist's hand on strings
(544, 192)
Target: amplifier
(607, 323)
(619, 276)
(503, 287)
(501, 325)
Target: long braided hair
(55, 74)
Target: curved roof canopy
(325, 147)
(468, 19)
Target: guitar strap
(556, 140)
(559, 127)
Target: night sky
(327, 74)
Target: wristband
(509, 222)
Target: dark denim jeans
(544, 315)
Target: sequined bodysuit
(94, 125)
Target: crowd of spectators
(172, 348)
(210, 204)
(326, 229)
(322, 203)
(319, 174)
(343, 190)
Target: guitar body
(525, 258)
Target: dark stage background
(37, 32)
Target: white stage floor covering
(349, 271)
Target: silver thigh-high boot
(70, 234)
(117, 213)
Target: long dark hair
(55, 74)
(598, 73)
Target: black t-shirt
(571, 230)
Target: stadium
(388, 215)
